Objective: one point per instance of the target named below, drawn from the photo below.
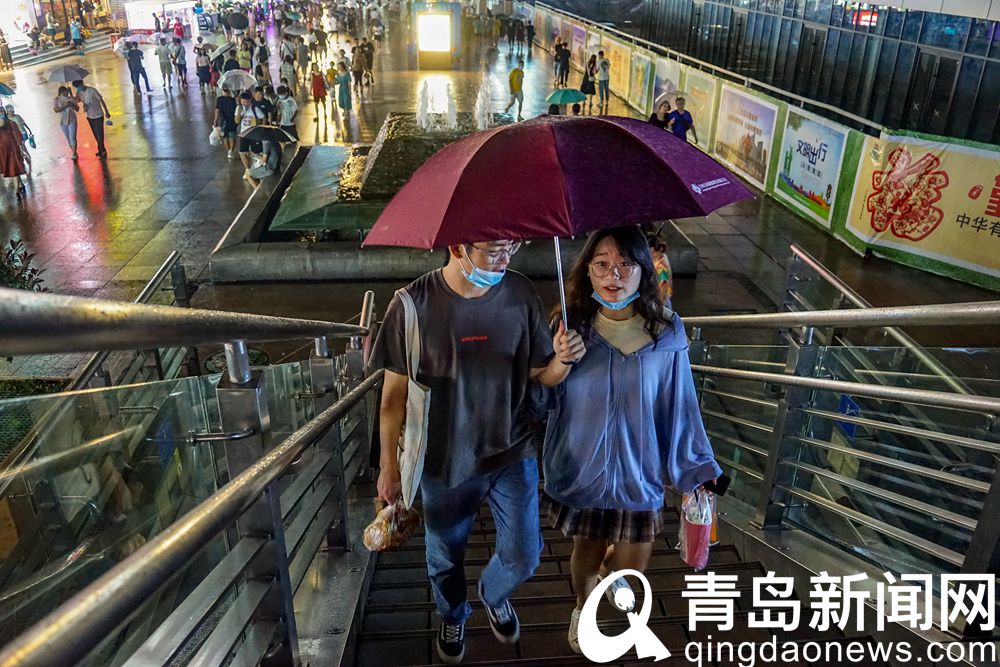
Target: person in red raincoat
(11, 157)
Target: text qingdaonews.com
(751, 654)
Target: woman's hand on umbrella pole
(568, 345)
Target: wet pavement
(102, 228)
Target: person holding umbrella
(96, 109)
(483, 337)
(625, 422)
(661, 117)
(66, 106)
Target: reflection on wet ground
(102, 228)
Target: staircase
(400, 625)
(101, 39)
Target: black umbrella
(237, 21)
(267, 133)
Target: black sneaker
(451, 643)
(503, 620)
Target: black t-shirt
(134, 57)
(563, 57)
(266, 107)
(231, 64)
(655, 120)
(476, 357)
(369, 50)
(227, 111)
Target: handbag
(413, 440)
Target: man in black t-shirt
(225, 120)
(483, 338)
(264, 105)
(231, 62)
(369, 50)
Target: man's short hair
(78, 83)
(600, 53)
(282, 90)
(245, 95)
(259, 89)
(681, 99)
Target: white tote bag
(413, 440)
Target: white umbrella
(237, 81)
(296, 29)
(225, 48)
(66, 73)
(138, 39)
(156, 36)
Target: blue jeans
(602, 90)
(512, 493)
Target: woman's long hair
(582, 308)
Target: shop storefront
(140, 16)
(17, 17)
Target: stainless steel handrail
(977, 312)
(719, 71)
(47, 323)
(899, 336)
(80, 624)
(938, 399)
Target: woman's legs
(627, 556)
(584, 566)
(69, 131)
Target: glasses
(604, 269)
(497, 255)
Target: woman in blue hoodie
(625, 422)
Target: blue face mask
(480, 278)
(615, 305)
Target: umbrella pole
(559, 277)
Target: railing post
(242, 395)
(323, 368)
(983, 554)
(178, 279)
(788, 422)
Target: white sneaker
(574, 632)
(625, 601)
(229, 155)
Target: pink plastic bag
(696, 527)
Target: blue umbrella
(565, 96)
(6, 90)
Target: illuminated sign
(434, 32)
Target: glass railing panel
(912, 470)
(977, 369)
(106, 470)
(289, 405)
(739, 414)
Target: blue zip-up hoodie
(621, 427)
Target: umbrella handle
(559, 277)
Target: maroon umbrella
(553, 176)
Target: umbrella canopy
(565, 96)
(295, 16)
(6, 90)
(136, 38)
(267, 133)
(66, 73)
(296, 29)
(157, 36)
(225, 48)
(237, 80)
(237, 20)
(553, 176)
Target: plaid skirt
(602, 524)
